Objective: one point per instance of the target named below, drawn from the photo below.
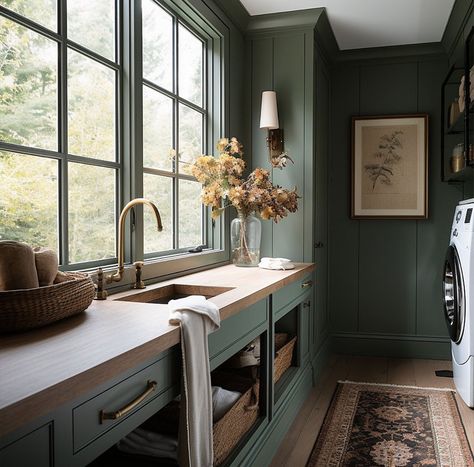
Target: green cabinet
(36, 445)
(108, 409)
(77, 433)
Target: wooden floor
(298, 443)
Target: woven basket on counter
(25, 309)
(284, 355)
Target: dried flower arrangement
(223, 185)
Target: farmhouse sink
(173, 291)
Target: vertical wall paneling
(343, 247)
(320, 206)
(289, 79)
(433, 234)
(284, 57)
(261, 57)
(387, 248)
(397, 307)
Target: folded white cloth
(222, 401)
(147, 443)
(276, 263)
(197, 318)
(157, 440)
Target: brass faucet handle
(139, 284)
(100, 292)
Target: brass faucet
(117, 276)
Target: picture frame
(390, 167)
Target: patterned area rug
(388, 425)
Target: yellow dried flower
(222, 181)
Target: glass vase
(245, 236)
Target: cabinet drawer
(234, 328)
(291, 292)
(33, 449)
(90, 420)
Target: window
(59, 160)
(174, 121)
(90, 117)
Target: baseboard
(387, 345)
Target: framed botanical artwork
(390, 167)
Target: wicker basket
(32, 308)
(227, 431)
(230, 429)
(283, 357)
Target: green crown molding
(317, 19)
(286, 20)
(235, 11)
(430, 49)
(457, 20)
(325, 38)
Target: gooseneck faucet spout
(117, 276)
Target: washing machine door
(453, 293)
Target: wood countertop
(42, 369)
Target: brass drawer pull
(150, 387)
(306, 284)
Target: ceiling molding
(290, 19)
(430, 49)
(456, 24)
(235, 12)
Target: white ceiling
(371, 23)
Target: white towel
(134, 444)
(197, 318)
(222, 401)
(153, 439)
(276, 263)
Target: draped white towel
(197, 318)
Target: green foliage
(28, 199)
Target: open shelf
(464, 175)
(457, 127)
(461, 131)
(287, 325)
(232, 427)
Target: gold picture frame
(390, 167)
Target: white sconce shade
(269, 111)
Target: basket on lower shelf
(25, 309)
(228, 430)
(284, 355)
(231, 428)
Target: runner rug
(388, 425)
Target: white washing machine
(458, 290)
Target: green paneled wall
(283, 55)
(385, 275)
(278, 61)
(289, 78)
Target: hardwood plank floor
(295, 449)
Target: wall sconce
(269, 120)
